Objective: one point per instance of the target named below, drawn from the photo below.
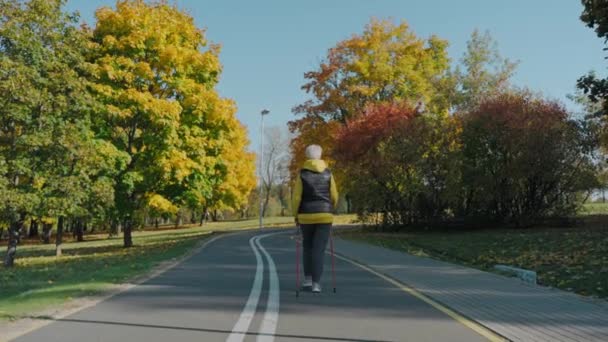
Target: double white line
(271, 316)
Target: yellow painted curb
(471, 324)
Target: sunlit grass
(40, 280)
(594, 209)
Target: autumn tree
(400, 163)
(238, 176)
(386, 62)
(483, 72)
(156, 74)
(524, 158)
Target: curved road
(241, 288)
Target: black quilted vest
(316, 196)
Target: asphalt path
(241, 287)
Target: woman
(315, 197)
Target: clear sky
(267, 45)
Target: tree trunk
(127, 238)
(46, 233)
(1, 233)
(214, 215)
(349, 205)
(79, 231)
(115, 227)
(33, 229)
(178, 220)
(156, 223)
(59, 236)
(13, 240)
(73, 227)
(266, 202)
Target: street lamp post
(263, 113)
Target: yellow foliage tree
(156, 73)
(386, 62)
(240, 180)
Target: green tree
(50, 158)
(484, 72)
(595, 16)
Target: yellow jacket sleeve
(296, 197)
(333, 192)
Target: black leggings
(315, 240)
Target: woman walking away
(315, 197)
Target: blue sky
(267, 45)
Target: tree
(524, 159)
(274, 171)
(156, 75)
(50, 158)
(595, 16)
(239, 177)
(485, 72)
(386, 62)
(311, 130)
(400, 163)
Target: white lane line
(241, 327)
(271, 316)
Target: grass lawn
(573, 259)
(40, 280)
(594, 209)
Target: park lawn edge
(177, 254)
(12, 329)
(361, 234)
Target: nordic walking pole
(297, 261)
(333, 259)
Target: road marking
(241, 327)
(271, 316)
(478, 328)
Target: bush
(400, 164)
(516, 158)
(524, 159)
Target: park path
(241, 288)
(513, 309)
